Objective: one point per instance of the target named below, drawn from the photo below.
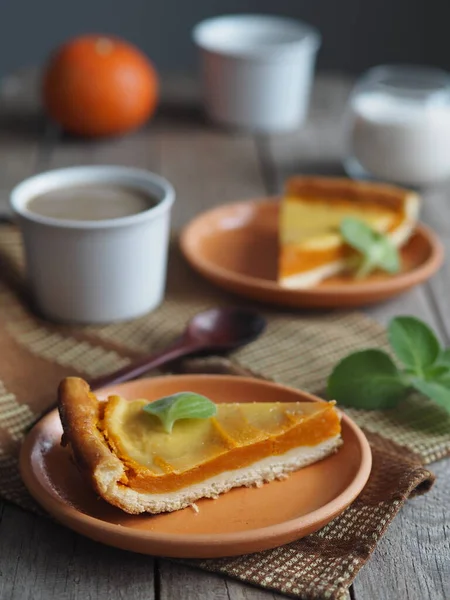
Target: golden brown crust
(339, 187)
(79, 412)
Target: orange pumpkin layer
(295, 260)
(239, 435)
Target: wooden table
(40, 560)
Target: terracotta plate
(235, 246)
(241, 521)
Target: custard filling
(197, 449)
(309, 230)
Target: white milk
(400, 139)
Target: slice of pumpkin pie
(140, 462)
(312, 209)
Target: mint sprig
(374, 249)
(184, 405)
(371, 380)
(414, 343)
(367, 379)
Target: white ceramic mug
(96, 271)
(257, 70)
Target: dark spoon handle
(178, 349)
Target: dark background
(356, 34)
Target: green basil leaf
(438, 391)
(438, 371)
(357, 233)
(414, 343)
(184, 405)
(444, 357)
(376, 249)
(367, 379)
(388, 255)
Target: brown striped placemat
(298, 350)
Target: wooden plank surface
(21, 132)
(40, 560)
(436, 213)
(206, 165)
(209, 166)
(412, 561)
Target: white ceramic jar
(257, 70)
(398, 126)
(96, 271)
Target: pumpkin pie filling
(310, 230)
(311, 246)
(237, 436)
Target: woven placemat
(295, 350)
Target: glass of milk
(398, 126)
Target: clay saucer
(241, 521)
(236, 247)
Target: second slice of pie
(311, 246)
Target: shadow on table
(329, 167)
(25, 126)
(180, 114)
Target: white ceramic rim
(306, 34)
(139, 179)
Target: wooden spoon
(213, 331)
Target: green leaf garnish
(375, 249)
(436, 390)
(437, 372)
(444, 358)
(414, 343)
(184, 405)
(367, 379)
(370, 379)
